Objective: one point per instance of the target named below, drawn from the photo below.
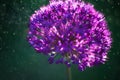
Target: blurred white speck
(104, 77)
(14, 34)
(0, 48)
(1, 28)
(20, 19)
(15, 68)
(30, 63)
(23, 8)
(7, 47)
(9, 22)
(10, 70)
(117, 53)
(13, 50)
(21, 1)
(101, 9)
(118, 3)
(3, 5)
(113, 53)
(118, 35)
(109, 67)
(5, 32)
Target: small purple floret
(72, 30)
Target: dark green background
(18, 61)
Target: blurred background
(18, 61)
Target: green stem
(69, 73)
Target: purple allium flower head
(72, 30)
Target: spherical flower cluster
(70, 32)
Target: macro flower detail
(70, 32)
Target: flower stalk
(69, 74)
